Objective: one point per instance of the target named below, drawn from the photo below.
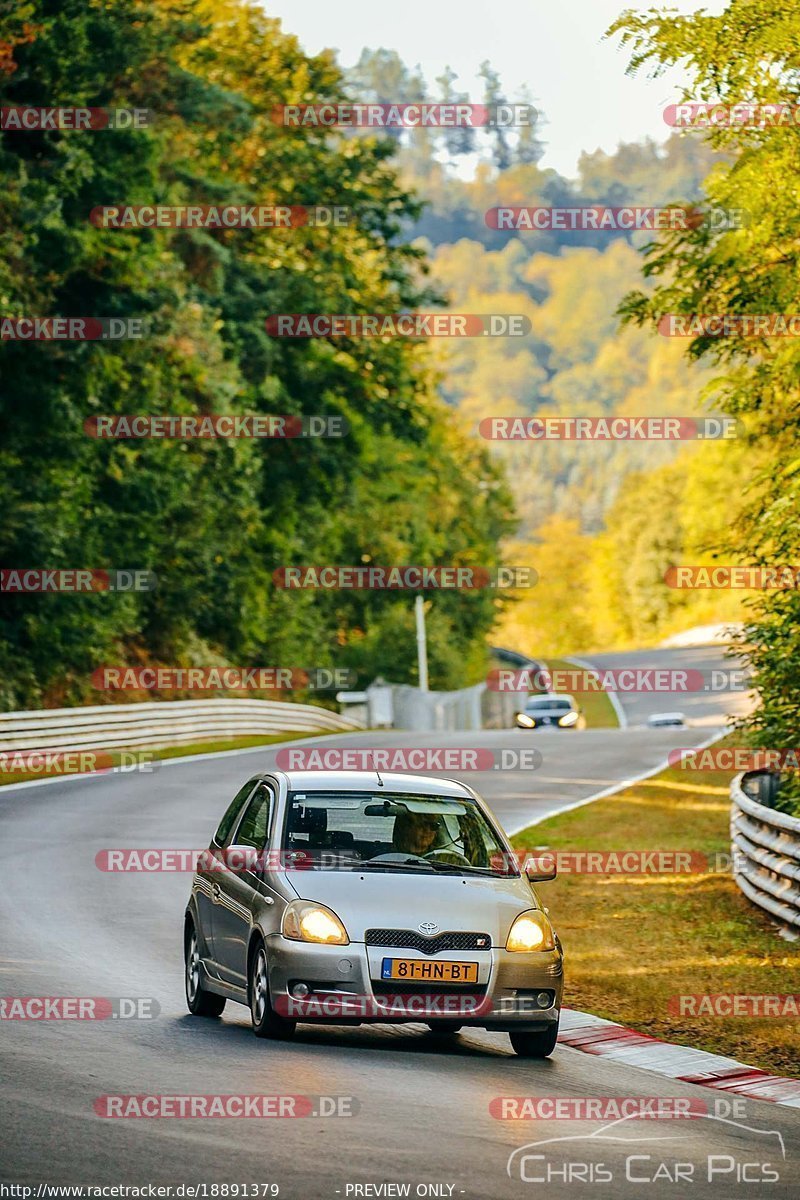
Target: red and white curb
(594, 1035)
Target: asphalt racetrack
(420, 1101)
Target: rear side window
(233, 810)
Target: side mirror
(540, 874)
(242, 858)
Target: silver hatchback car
(349, 896)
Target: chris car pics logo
(622, 1152)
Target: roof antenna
(375, 769)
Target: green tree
(750, 53)
(213, 519)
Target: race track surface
(422, 1100)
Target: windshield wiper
(458, 868)
(407, 864)
(432, 864)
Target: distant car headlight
(568, 720)
(526, 721)
(530, 931)
(305, 921)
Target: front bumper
(345, 986)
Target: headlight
(525, 720)
(530, 931)
(305, 921)
(569, 719)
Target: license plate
(414, 969)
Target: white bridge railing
(159, 723)
(765, 846)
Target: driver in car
(415, 833)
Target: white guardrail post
(765, 847)
(160, 723)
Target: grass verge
(164, 752)
(634, 941)
(597, 709)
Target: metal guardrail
(160, 723)
(765, 847)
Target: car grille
(409, 939)
(397, 987)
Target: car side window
(254, 824)
(232, 812)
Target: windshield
(392, 832)
(552, 703)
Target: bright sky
(555, 46)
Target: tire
(199, 1002)
(535, 1045)
(448, 1027)
(266, 1022)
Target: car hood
(396, 900)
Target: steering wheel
(452, 852)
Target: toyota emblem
(429, 928)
